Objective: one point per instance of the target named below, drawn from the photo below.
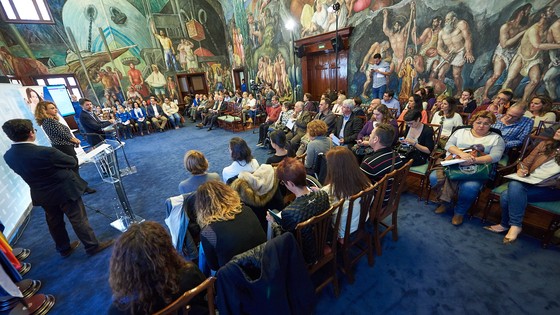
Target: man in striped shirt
(382, 161)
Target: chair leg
(429, 188)
(376, 238)
(422, 184)
(335, 279)
(395, 231)
(369, 247)
(487, 208)
(347, 265)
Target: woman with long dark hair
(146, 273)
(542, 166)
(242, 159)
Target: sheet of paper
(290, 124)
(451, 162)
(335, 140)
(528, 179)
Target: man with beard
(455, 47)
(510, 34)
(528, 59)
(428, 40)
(369, 60)
(398, 37)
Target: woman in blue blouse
(125, 122)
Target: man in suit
(348, 126)
(54, 186)
(213, 113)
(156, 114)
(91, 123)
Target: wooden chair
(423, 171)
(182, 302)
(320, 226)
(232, 118)
(301, 158)
(391, 184)
(361, 238)
(543, 125)
(394, 112)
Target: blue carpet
(434, 267)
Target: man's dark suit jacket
(93, 126)
(151, 112)
(351, 129)
(47, 171)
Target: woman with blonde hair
(146, 273)
(228, 227)
(196, 163)
(344, 179)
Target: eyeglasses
(485, 124)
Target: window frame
(69, 87)
(18, 20)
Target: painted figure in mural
(510, 34)
(187, 58)
(375, 48)
(319, 20)
(551, 76)
(20, 66)
(398, 35)
(172, 89)
(136, 80)
(167, 45)
(428, 49)
(110, 89)
(117, 76)
(237, 38)
(342, 17)
(407, 74)
(157, 81)
(254, 32)
(455, 48)
(529, 57)
(218, 77)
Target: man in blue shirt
(243, 86)
(391, 102)
(514, 126)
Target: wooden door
(192, 83)
(322, 73)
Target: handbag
(470, 172)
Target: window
(68, 80)
(25, 11)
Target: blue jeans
(378, 92)
(175, 120)
(468, 190)
(514, 200)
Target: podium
(105, 157)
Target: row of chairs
(377, 203)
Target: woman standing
(46, 115)
(543, 164)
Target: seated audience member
(228, 227)
(139, 115)
(481, 135)
(418, 141)
(171, 110)
(242, 159)
(156, 114)
(318, 143)
(300, 119)
(146, 273)
(391, 102)
(285, 116)
(348, 125)
(196, 163)
(308, 203)
(540, 109)
(358, 109)
(337, 106)
(344, 179)
(382, 161)
(430, 97)
(543, 163)
(211, 117)
(280, 146)
(448, 118)
(415, 103)
(124, 122)
(502, 100)
(308, 103)
(514, 126)
(251, 107)
(326, 115)
(467, 101)
(380, 115)
(273, 115)
(437, 104)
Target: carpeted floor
(434, 267)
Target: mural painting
(450, 45)
(149, 42)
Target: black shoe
(89, 191)
(69, 251)
(100, 247)
(209, 129)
